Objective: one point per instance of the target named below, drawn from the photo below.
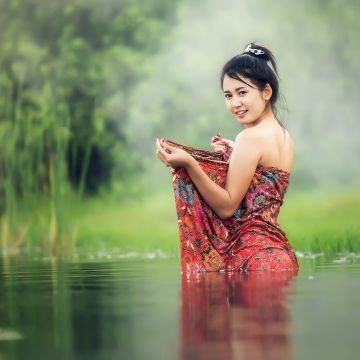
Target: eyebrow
(241, 87)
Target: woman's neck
(266, 117)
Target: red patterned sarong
(251, 239)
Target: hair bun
(254, 49)
(261, 52)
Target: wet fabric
(249, 240)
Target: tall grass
(325, 222)
(34, 136)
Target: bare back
(277, 146)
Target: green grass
(141, 225)
(322, 222)
(314, 222)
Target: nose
(236, 101)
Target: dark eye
(242, 92)
(227, 96)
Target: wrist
(190, 163)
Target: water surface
(147, 309)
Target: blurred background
(87, 86)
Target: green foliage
(83, 57)
(67, 69)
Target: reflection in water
(88, 310)
(132, 310)
(236, 315)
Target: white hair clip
(254, 51)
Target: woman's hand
(172, 156)
(219, 144)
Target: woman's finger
(166, 146)
(161, 150)
(161, 158)
(216, 138)
(161, 153)
(218, 142)
(229, 142)
(218, 145)
(219, 148)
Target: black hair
(254, 65)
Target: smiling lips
(240, 113)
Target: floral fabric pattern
(251, 239)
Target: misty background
(314, 43)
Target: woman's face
(246, 103)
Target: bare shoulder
(249, 135)
(251, 138)
(248, 145)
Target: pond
(147, 309)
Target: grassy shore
(325, 222)
(314, 222)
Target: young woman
(228, 200)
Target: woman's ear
(267, 92)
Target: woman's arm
(243, 162)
